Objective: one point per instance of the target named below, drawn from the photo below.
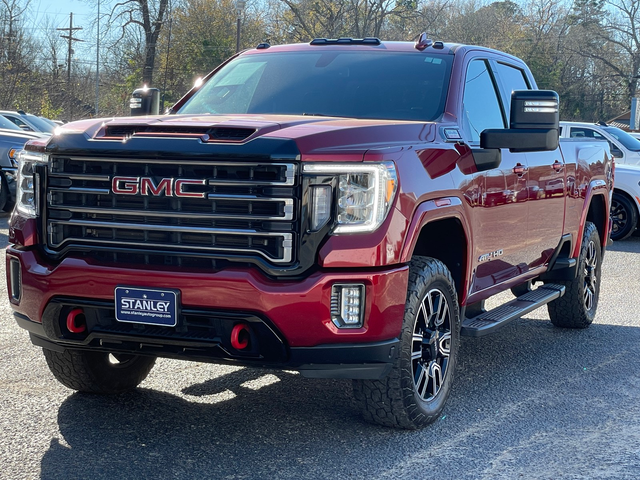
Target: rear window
(375, 85)
(41, 124)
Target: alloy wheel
(431, 344)
(590, 275)
(619, 216)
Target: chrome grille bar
(240, 207)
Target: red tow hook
(240, 336)
(76, 321)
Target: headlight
(365, 192)
(13, 155)
(27, 191)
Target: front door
(499, 219)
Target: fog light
(347, 305)
(16, 279)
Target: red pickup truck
(342, 207)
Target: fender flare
(430, 211)
(596, 187)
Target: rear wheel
(414, 393)
(98, 372)
(577, 307)
(624, 217)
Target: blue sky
(84, 15)
(83, 11)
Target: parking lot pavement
(531, 401)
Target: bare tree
(147, 15)
(14, 51)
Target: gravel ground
(530, 401)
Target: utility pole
(69, 37)
(98, 64)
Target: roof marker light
(423, 42)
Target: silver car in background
(12, 140)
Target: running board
(488, 322)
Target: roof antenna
(423, 42)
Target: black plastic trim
(346, 41)
(361, 361)
(561, 268)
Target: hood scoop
(207, 134)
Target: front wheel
(577, 307)
(98, 372)
(414, 393)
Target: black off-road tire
(96, 372)
(624, 216)
(577, 307)
(410, 397)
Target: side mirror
(534, 123)
(145, 101)
(615, 151)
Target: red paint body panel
(299, 309)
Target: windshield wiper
(305, 114)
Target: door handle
(520, 169)
(557, 166)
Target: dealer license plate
(146, 305)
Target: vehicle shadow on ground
(530, 373)
(627, 245)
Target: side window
(512, 78)
(581, 132)
(481, 107)
(20, 123)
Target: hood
(18, 136)
(312, 134)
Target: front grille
(222, 208)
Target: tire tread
(76, 370)
(568, 311)
(389, 401)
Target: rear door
(499, 218)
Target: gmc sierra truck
(343, 208)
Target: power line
(71, 39)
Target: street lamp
(239, 7)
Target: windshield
(629, 142)
(8, 124)
(376, 85)
(40, 124)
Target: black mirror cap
(145, 101)
(521, 140)
(534, 109)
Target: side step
(488, 322)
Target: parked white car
(625, 204)
(624, 147)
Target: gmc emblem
(169, 187)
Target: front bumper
(292, 318)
